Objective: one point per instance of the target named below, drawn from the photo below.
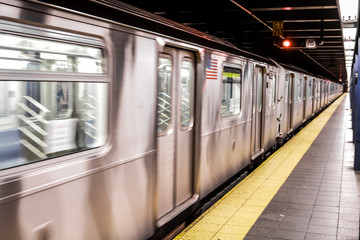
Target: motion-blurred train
(112, 130)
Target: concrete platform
(308, 189)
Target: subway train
(116, 123)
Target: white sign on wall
(310, 43)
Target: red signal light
(286, 43)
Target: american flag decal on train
(212, 69)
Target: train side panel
(225, 119)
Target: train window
(231, 96)
(39, 124)
(28, 53)
(53, 95)
(164, 95)
(187, 78)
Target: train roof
(134, 17)
(131, 16)
(298, 69)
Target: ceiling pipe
(271, 29)
(333, 74)
(248, 11)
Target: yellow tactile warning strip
(235, 213)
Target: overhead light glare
(349, 10)
(286, 43)
(349, 33)
(349, 45)
(349, 53)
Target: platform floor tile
(275, 202)
(313, 203)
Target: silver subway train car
(115, 127)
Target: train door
(325, 95)
(322, 97)
(305, 97)
(327, 92)
(290, 101)
(257, 113)
(313, 96)
(176, 81)
(318, 93)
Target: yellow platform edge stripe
(237, 211)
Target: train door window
(187, 79)
(304, 88)
(296, 89)
(259, 90)
(231, 96)
(273, 88)
(164, 95)
(45, 116)
(299, 89)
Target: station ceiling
(248, 24)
